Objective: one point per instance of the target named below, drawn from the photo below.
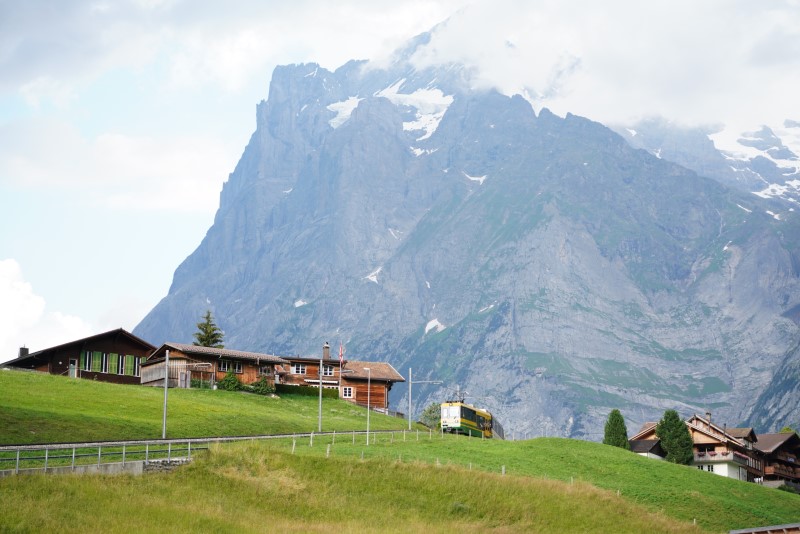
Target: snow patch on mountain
(343, 110)
(422, 151)
(299, 302)
(430, 105)
(478, 179)
(434, 324)
(373, 276)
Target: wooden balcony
(782, 471)
(720, 457)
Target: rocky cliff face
(541, 263)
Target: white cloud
(181, 173)
(713, 61)
(25, 318)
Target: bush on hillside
(230, 383)
(262, 386)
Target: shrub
(230, 383)
(262, 386)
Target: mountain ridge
(540, 262)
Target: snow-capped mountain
(764, 162)
(539, 262)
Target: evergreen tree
(675, 438)
(788, 430)
(208, 333)
(616, 433)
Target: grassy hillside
(435, 483)
(40, 408)
(248, 488)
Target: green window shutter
(83, 360)
(129, 365)
(97, 362)
(113, 362)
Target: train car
(461, 418)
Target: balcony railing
(716, 457)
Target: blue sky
(120, 121)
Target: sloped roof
(640, 446)
(21, 361)
(769, 442)
(196, 350)
(646, 429)
(382, 371)
(743, 433)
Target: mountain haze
(540, 263)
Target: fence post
(189, 447)
(294, 442)
(16, 469)
(146, 453)
(328, 451)
(169, 451)
(311, 441)
(504, 470)
(392, 439)
(45, 459)
(73, 458)
(334, 437)
(354, 437)
(123, 455)
(99, 449)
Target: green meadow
(40, 408)
(404, 482)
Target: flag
(341, 353)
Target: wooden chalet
(113, 356)
(350, 377)
(205, 366)
(781, 452)
(727, 452)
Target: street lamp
(410, 382)
(369, 383)
(325, 352)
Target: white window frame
(327, 370)
(224, 366)
(104, 363)
(237, 367)
(298, 368)
(347, 392)
(87, 361)
(137, 365)
(265, 370)
(120, 364)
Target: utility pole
(410, 382)
(166, 387)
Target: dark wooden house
(352, 378)
(206, 365)
(113, 356)
(781, 452)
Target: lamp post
(369, 408)
(410, 382)
(325, 351)
(166, 386)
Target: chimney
(23, 351)
(326, 351)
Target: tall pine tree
(208, 333)
(616, 433)
(675, 438)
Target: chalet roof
(382, 371)
(743, 433)
(646, 445)
(24, 361)
(712, 430)
(195, 350)
(646, 429)
(768, 443)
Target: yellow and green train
(461, 418)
